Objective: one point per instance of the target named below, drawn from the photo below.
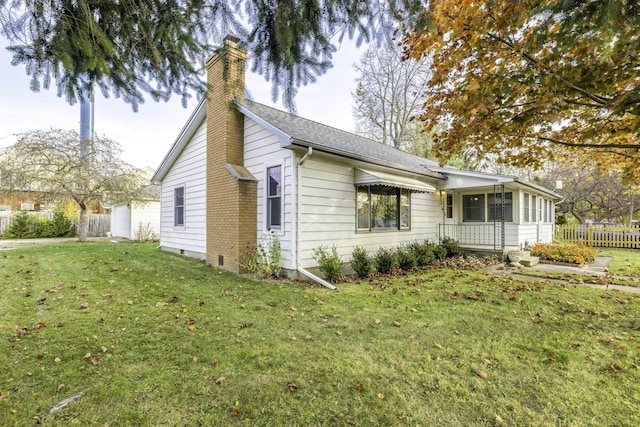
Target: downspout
(297, 232)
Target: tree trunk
(83, 225)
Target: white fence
(99, 224)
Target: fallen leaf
(103, 349)
(396, 324)
(84, 305)
(320, 302)
(244, 325)
(481, 374)
(220, 380)
(537, 318)
(359, 386)
(292, 387)
(192, 327)
(5, 395)
(88, 355)
(57, 360)
(293, 308)
(60, 387)
(380, 396)
(376, 321)
(214, 363)
(615, 368)
(194, 360)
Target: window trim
(181, 207)
(268, 198)
(399, 192)
(526, 208)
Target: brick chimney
(231, 190)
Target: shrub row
(405, 257)
(569, 253)
(27, 226)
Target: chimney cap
(231, 39)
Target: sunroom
(495, 212)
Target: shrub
(329, 262)
(21, 227)
(263, 262)
(452, 246)
(385, 260)
(62, 224)
(423, 252)
(406, 258)
(440, 252)
(569, 253)
(361, 262)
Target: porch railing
(473, 234)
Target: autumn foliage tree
(522, 79)
(57, 163)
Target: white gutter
(317, 279)
(297, 227)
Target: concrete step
(529, 261)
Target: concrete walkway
(598, 268)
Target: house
(138, 219)
(241, 172)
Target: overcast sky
(147, 135)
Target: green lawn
(155, 339)
(625, 261)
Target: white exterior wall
(328, 212)
(145, 217)
(188, 171)
(120, 221)
(262, 150)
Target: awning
(367, 177)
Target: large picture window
(178, 206)
(274, 197)
(473, 208)
(487, 207)
(383, 208)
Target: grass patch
(624, 261)
(155, 339)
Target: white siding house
(310, 185)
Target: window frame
(449, 205)
(526, 208)
(466, 210)
(507, 210)
(179, 210)
(400, 208)
(273, 200)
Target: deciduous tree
(55, 162)
(521, 79)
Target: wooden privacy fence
(603, 236)
(99, 224)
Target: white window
(474, 208)
(449, 206)
(274, 197)
(533, 209)
(178, 206)
(526, 207)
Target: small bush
(406, 258)
(263, 262)
(452, 246)
(573, 254)
(423, 252)
(329, 262)
(23, 226)
(440, 252)
(385, 260)
(361, 262)
(62, 224)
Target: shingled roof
(308, 133)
